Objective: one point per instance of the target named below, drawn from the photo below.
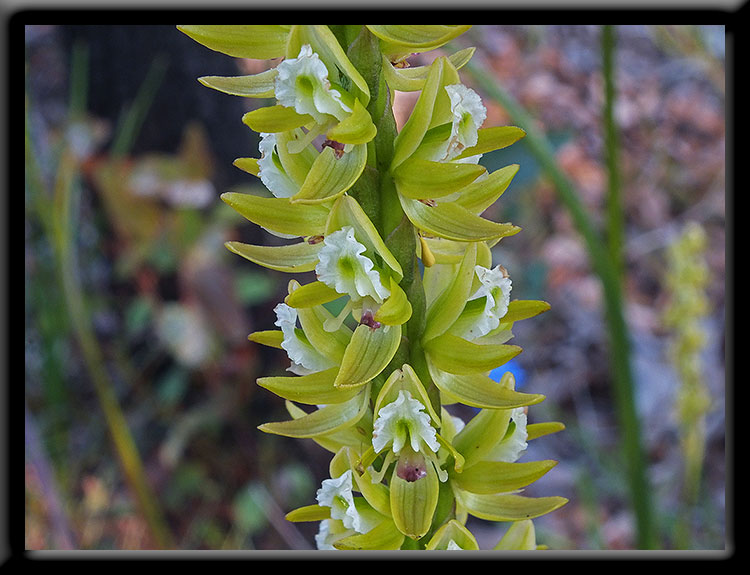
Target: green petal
(293, 258)
(447, 307)
(536, 430)
(279, 214)
(500, 477)
(376, 494)
(382, 537)
(520, 536)
(271, 338)
(249, 165)
(507, 507)
(260, 42)
(396, 310)
(368, 353)
(313, 389)
(253, 86)
(274, 119)
(309, 513)
(355, 129)
(413, 503)
(347, 212)
(332, 344)
(308, 295)
(329, 176)
(422, 179)
(454, 222)
(479, 390)
(480, 195)
(480, 435)
(453, 530)
(410, 136)
(353, 437)
(323, 421)
(459, 356)
(413, 79)
(490, 139)
(524, 309)
(402, 39)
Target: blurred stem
(615, 219)
(605, 268)
(65, 198)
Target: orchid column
(391, 222)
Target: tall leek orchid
(405, 314)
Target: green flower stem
(608, 274)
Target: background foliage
(136, 316)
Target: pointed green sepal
(368, 353)
(270, 338)
(524, 309)
(490, 139)
(249, 165)
(396, 310)
(410, 136)
(520, 536)
(413, 79)
(260, 42)
(501, 477)
(405, 39)
(481, 434)
(383, 537)
(453, 531)
(323, 421)
(308, 295)
(479, 390)
(331, 176)
(454, 222)
(507, 507)
(536, 430)
(279, 214)
(376, 494)
(274, 119)
(480, 195)
(424, 179)
(308, 513)
(461, 357)
(312, 389)
(253, 86)
(293, 258)
(448, 305)
(355, 129)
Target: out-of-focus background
(141, 407)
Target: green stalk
(615, 219)
(606, 269)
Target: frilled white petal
(495, 287)
(337, 494)
(403, 420)
(270, 170)
(343, 267)
(305, 358)
(324, 537)
(302, 83)
(512, 446)
(468, 115)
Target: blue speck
(515, 368)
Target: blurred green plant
(686, 278)
(55, 206)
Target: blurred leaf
(253, 288)
(248, 509)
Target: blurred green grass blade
(130, 123)
(605, 268)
